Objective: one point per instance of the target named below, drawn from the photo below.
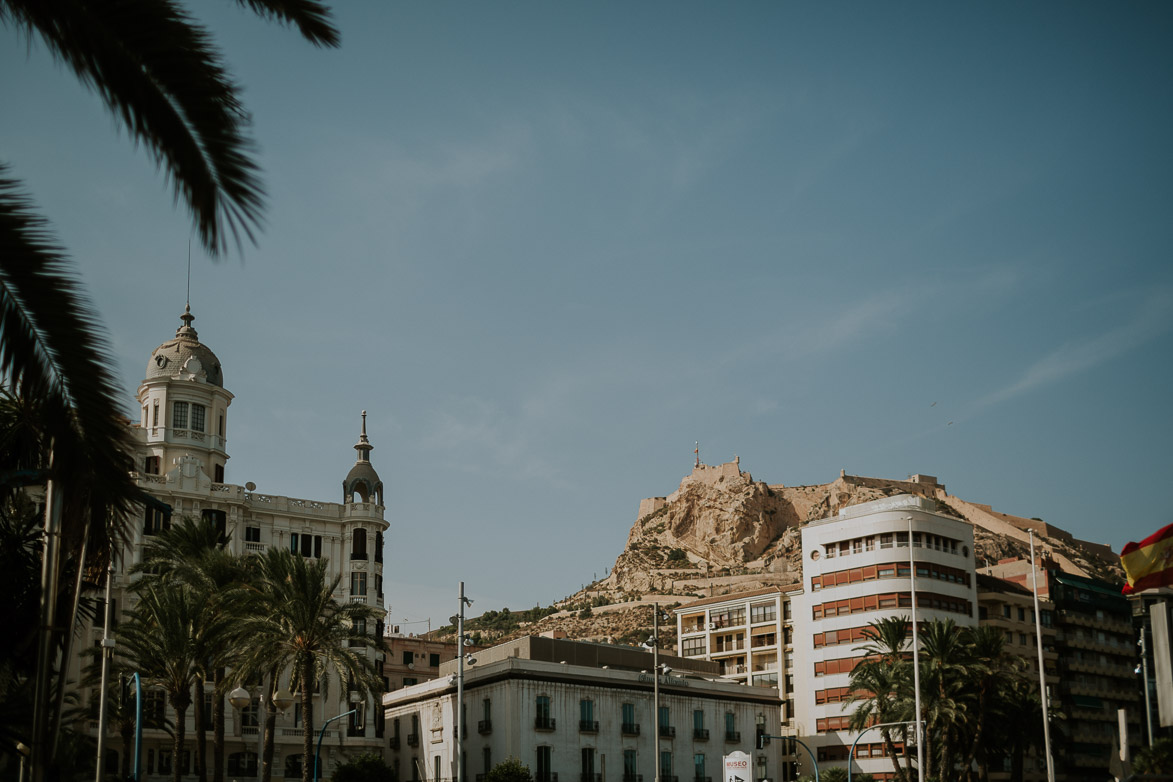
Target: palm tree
(192, 555)
(159, 74)
(301, 627)
(881, 684)
(989, 671)
(166, 639)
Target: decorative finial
(363, 446)
(186, 329)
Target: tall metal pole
(920, 743)
(459, 760)
(1144, 672)
(1043, 697)
(656, 688)
(107, 650)
(50, 575)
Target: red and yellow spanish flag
(1149, 563)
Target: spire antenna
(188, 300)
(697, 451)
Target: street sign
(737, 767)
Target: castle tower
(184, 407)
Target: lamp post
(321, 733)
(920, 751)
(1043, 696)
(654, 643)
(461, 642)
(851, 755)
(107, 653)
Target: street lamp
(654, 644)
(851, 755)
(461, 659)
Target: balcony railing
(733, 735)
(485, 727)
(588, 726)
(358, 555)
(702, 779)
(394, 742)
(668, 732)
(700, 734)
(546, 776)
(633, 778)
(413, 739)
(544, 723)
(588, 776)
(630, 729)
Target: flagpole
(1034, 573)
(920, 744)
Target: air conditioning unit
(711, 625)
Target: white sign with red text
(737, 768)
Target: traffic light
(763, 741)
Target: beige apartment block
(579, 712)
(181, 449)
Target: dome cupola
(186, 357)
(362, 483)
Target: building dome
(185, 355)
(362, 483)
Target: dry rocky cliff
(721, 531)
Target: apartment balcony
(733, 736)
(546, 776)
(485, 727)
(630, 729)
(413, 739)
(729, 648)
(544, 723)
(588, 776)
(633, 778)
(588, 726)
(667, 732)
(700, 734)
(393, 742)
(702, 779)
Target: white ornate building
(181, 452)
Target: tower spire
(363, 446)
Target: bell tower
(184, 407)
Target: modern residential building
(750, 635)
(181, 451)
(1010, 607)
(1096, 660)
(579, 712)
(857, 569)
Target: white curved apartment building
(856, 570)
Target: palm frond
(51, 351)
(158, 72)
(310, 17)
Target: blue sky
(548, 246)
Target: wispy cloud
(1153, 317)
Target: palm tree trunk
(890, 748)
(270, 729)
(201, 754)
(179, 702)
(307, 713)
(218, 726)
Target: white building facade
(857, 569)
(181, 455)
(578, 712)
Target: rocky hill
(721, 531)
